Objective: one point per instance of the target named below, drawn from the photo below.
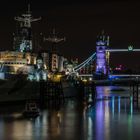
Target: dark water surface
(113, 118)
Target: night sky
(80, 23)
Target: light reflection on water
(110, 119)
(107, 91)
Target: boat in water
(31, 110)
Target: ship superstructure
(21, 59)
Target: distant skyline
(80, 23)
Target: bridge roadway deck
(124, 81)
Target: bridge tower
(102, 44)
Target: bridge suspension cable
(91, 58)
(87, 60)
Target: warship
(21, 67)
(22, 60)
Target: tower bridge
(101, 57)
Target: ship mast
(54, 56)
(54, 38)
(27, 19)
(23, 39)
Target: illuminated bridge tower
(102, 44)
(23, 35)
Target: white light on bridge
(130, 48)
(90, 79)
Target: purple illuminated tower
(102, 44)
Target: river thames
(113, 117)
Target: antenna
(29, 9)
(103, 32)
(54, 31)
